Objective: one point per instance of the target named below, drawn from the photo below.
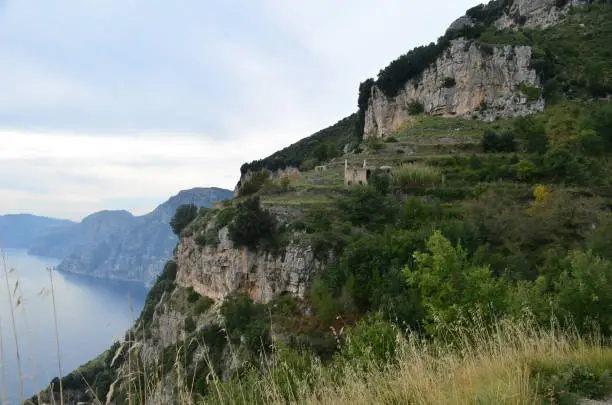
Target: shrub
(374, 144)
(532, 93)
(506, 143)
(169, 271)
(532, 135)
(449, 82)
(224, 217)
(203, 304)
(182, 217)
(284, 183)
(492, 142)
(189, 325)
(246, 321)
(372, 340)
(489, 141)
(415, 107)
(308, 164)
(254, 183)
(192, 296)
(252, 224)
(390, 139)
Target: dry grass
(482, 366)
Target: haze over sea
(91, 314)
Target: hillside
(21, 230)
(450, 258)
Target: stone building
(356, 176)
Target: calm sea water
(91, 314)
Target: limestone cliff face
(485, 84)
(536, 13)
(217, 272)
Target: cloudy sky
(119, 104)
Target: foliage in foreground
(507, 362)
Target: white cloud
(70, 175)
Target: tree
(532, 135)
(182, 217)
(490, 141)
(252, 224)
(583, 292)
(449, 284)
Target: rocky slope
(130, 248)
(218, 271)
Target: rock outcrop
(217, 272)
(466, 80)
(536, 13)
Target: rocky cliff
(467, 80)
(536, 13)
(138, 249)
(218, 271)
(471, 80)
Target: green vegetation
(253, 226)
(532, 93)
(183, 217)
(416, 175)
(331, 140)
(415, 107)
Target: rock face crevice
(485, 83)
(217, 272)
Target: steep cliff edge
(218, 271)
(487, 66)
(117, 245)
(466, 80)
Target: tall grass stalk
(416, 175)
(57, 338)
(2, 370)
(12, 312)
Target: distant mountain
(92, 229)
(22, 230)
(117, 245)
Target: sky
(119, 104)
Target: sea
(91, 315)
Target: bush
(390, 139)
(532, 93)
(182, 217)
(449, 82)
(224, 217)
(254, 183)
(246, 321)
(415, 107)
(169, 271)
(372, 340)
(252, 225)
(374, 144)
(203, 304)
(192, 296)
(189, 325)
(532, 135)
(489, 141)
